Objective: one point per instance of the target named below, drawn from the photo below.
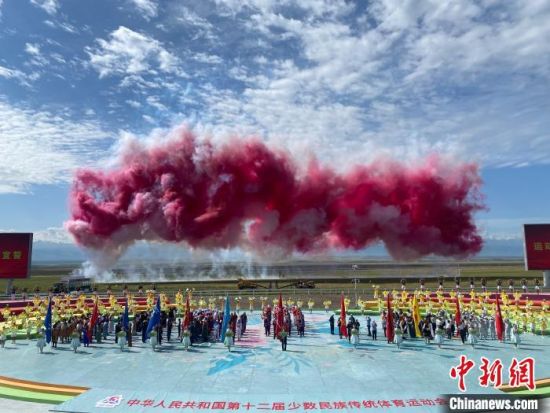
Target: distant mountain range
(50, 252)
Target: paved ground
(319, 369)
(12, 406)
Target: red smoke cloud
(244, 194)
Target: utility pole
(355, 280)
(9, 286)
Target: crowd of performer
(280, 322)
(470, 328)
(203, 326)
(280, 326)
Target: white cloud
(49, 6)
(399, 78)
(147, 7)
(69, 28)
(56, 235)
(405, 79)
(315, 8)
(10, 73)
(149, 119)
(58, 58)
(53, 234)
(23, 78)
(32, 49)
(129, 53)
(43, 147)
(37, 59)
(507, 228)
(200, 26)
(133, 103)
(207, 58)
(154, 101)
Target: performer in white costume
(398, 339)
(153, 339)
(41, 342)
(13, 333)
(2, 338)
(516, 335)
(75, 340)
(29, 329)
(228, 341)
(472, 335)
(121, 339)
(239, 329)
(439, 333)
(186, 339)
(354, 337)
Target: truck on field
(72, 284)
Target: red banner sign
(15, 255)
(537, 246)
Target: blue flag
(48, 322)
(226, 315)
(125, 317)
(154, 320)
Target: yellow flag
(416, 317)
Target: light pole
(355, 280)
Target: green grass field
(326, 275)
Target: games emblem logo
(109, 402)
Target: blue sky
(349, 81)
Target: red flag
(458, 316)
(187, 317)
(499, 323)
(389, 322)
(93, 320)
(280, 317)
(343, 324)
